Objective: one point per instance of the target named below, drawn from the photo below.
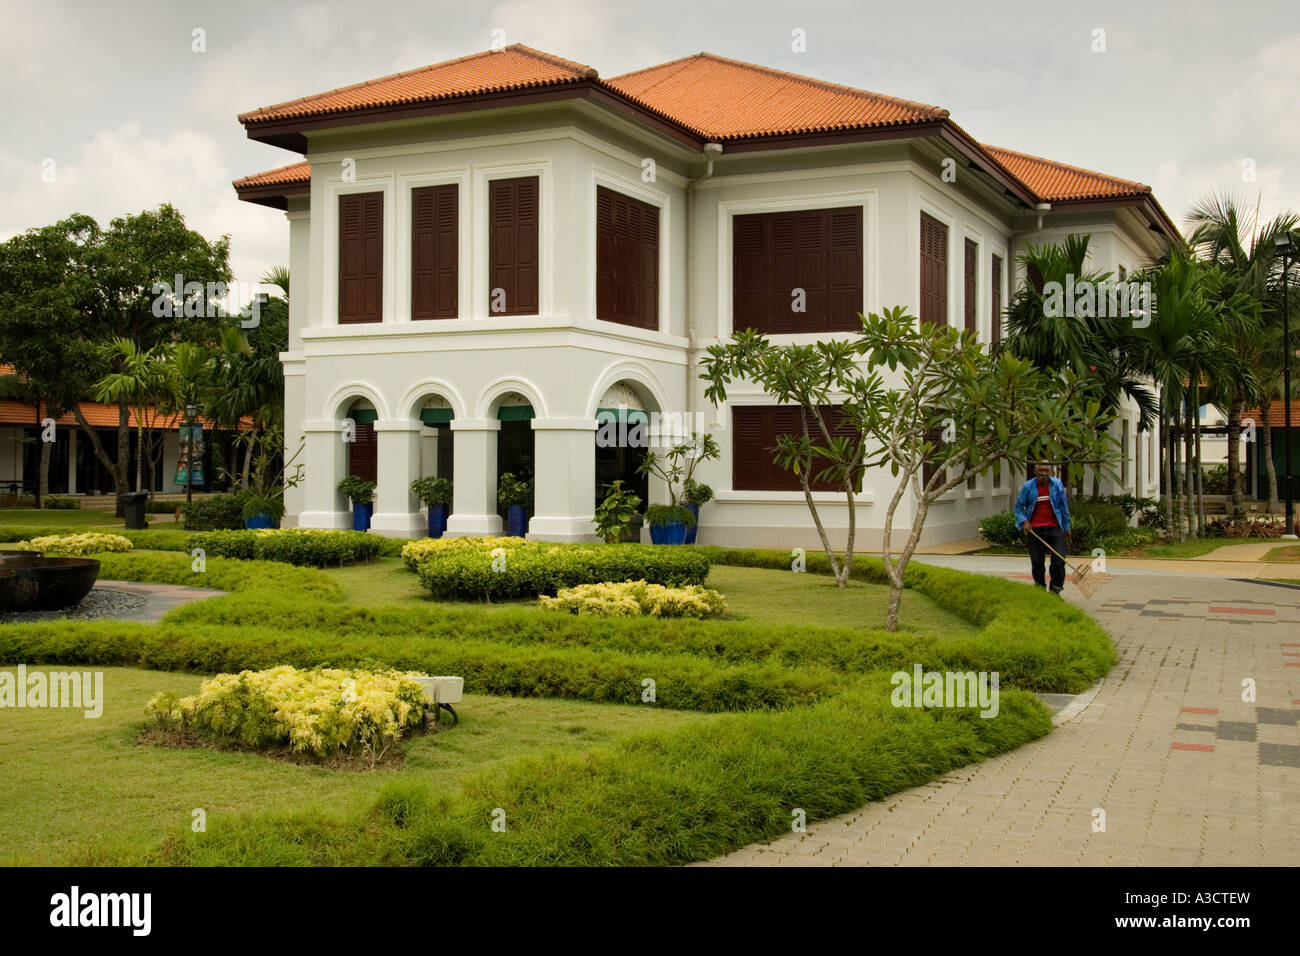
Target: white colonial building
(488, 252)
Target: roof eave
(275, 195)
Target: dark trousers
(1038, 551)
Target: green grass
(66, 775)
(76, 518)
(1191, 548)
(799, 667)
(1289, 552)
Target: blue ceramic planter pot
(672, 533)
(361, 515)
(690, 532)
(259, 520)
(437, 520)
(516, 521)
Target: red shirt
(1043, 516)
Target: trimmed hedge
(220, 574)
(528, 572)
(489, 667)
(218, 513)
(60, 503)
(305, 548)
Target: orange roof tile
(293, 174)
(515, 67)
(724, 99)
(97, 416)
(1056, 182)
(1276, 414)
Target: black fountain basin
(8, 586)
(49, 584)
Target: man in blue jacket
(1042, 512)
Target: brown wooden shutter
(996, 298)
(816, 250)
(971, 272)
(627, 260)
(755, 431)
(361, 257)
(363, 454)
(434, 251)
(934, 271)
(513, 244)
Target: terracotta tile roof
(515, 67)
(97, 416)
(725, 99)
(1056, 182)
(291, 175)
(1276, 414)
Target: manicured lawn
(1289, 552)
(1191, 548)
(73, 789)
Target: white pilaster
(564, 491)
(473, 510)
(397, 512)
(325, 460)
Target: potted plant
(516, 496)
(668, 523)
(435, 493)
(262, 503)
(695, 494)
(362, 493)
(617, 514)
(676, 468)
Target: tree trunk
(43, 476)
(43, 461)
(248, 467)
(1189, 501)
(1176, 489)
(122, 467)
(1167, 472)
(1200, 484)
(1234, 459)
(96, 445)
(1264, 431)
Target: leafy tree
(949, 411)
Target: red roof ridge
(1139, 187)
(937, 112)
(270, 174)
(581, 69)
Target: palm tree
(1097, 348)
(140, 379)
(1231, 237)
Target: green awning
(629, 415)
(433, 417)
(364, 416)
(515, 413)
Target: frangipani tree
(948, 411)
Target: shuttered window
(970, 272)
(627, 260)
(361, 257)
(995, 295)
(513, 245)
(755, 430)
(934, 271)
(363, 454)
(797, 271)
(435, 218)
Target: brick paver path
(1185, 772)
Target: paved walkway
(1184, 771)
(1251, 551)
(159, 598)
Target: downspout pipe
(711, 152)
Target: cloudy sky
(112, 93)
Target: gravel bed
(99, 603)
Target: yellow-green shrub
(321, 711)
(421, 550)
(635, 598)
(76, 545)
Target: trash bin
(134, 503)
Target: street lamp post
(190, 412)
(1287, 251)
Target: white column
(474, 500)
(324, 461)
(564, 491)
(397, 512)
(295, 387)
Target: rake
(1087, 586)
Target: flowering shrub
(417, 552)
(635, 598)
(320, 712)
(75, 545)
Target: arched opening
(622, 440)
(363, 450)
(437, 440)
(516, 444)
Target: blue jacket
(1028, 498)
